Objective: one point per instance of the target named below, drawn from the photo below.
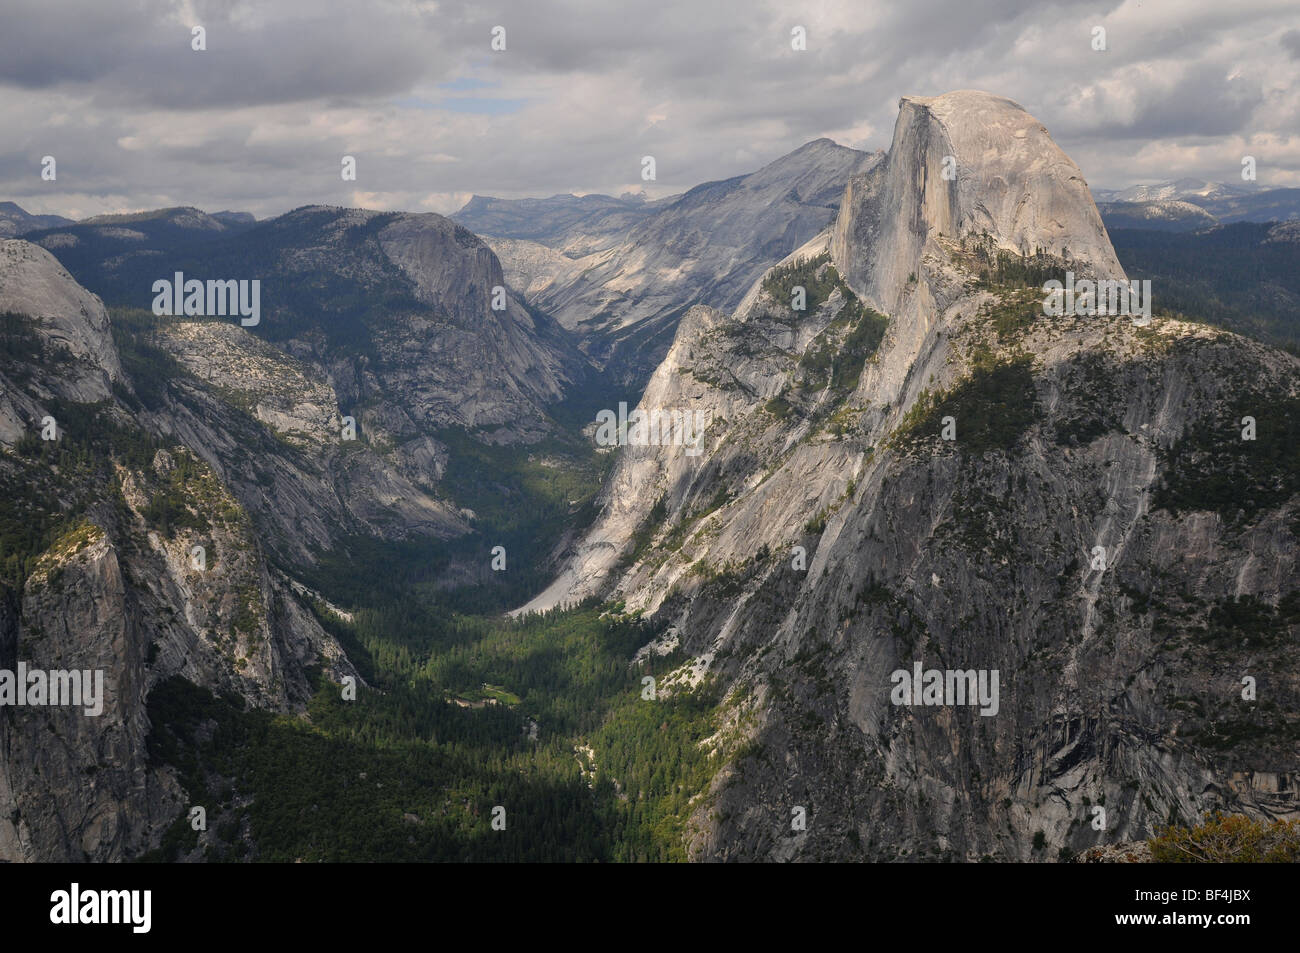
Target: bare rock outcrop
(66, 316)
(965, 163)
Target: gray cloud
(1291, 41)
(585, 88)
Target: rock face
(963, 482)
(383, 318)
(272, 429)
(707, 246)
(65, 315)
(393, 310)
(155, 568)
(128, 603)
(965, 163)
(467, 363)
(534, 268)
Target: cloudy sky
(260, 120)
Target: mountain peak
(960, 100)
(819, 144)
(16, 220)
(966, 162)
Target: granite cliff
(921, 466)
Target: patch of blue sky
(483, 106)
(463, 84)
(479, 105)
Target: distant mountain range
(578, 225)
(1186, 189)
(1190, 205)
(15, 220)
